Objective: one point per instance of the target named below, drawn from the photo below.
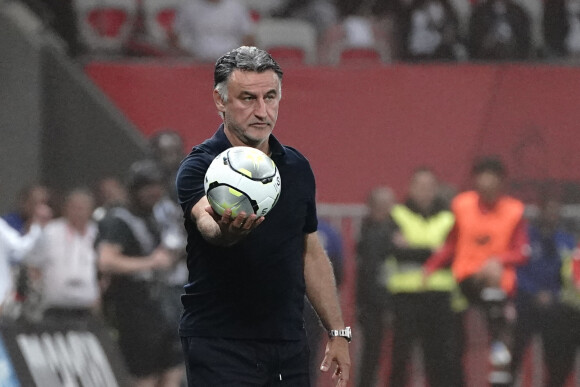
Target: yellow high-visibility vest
(420, 232)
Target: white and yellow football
(243, 179)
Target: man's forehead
(253, 79)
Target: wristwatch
(346, 333)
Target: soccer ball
(243, 179)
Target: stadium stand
(106, 25)
(288, 40)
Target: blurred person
(109, 193)
(28, 200)
(322, 14)
(429, 30)
(14, 247)
(373, 302)
(331, 241)
(243, 308)
(167, 150)
(566, 330)
(205, 29)
(539, 283)
(561, 24)
(130, 250)
(66, 259)
(422, 311)
(484, 247)
(499, 30)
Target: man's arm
(519, 250)
(112, 260)
(444, 255)
(322, 294)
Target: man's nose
(260, 109)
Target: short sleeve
(189, 180)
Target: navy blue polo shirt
(255, 288)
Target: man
(422, 312)
(14, 247)
(373, 302)
(66, 259)
(205, 29)
(242, 320)
(486, 243)
(538, 304)
(131, 252)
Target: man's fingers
(325, 366)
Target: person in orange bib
(486, 243)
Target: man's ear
(219, 102)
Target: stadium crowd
(387, 30)
(96, 252)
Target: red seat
(360, 55)
(287, 55)
(107, 22)
(166, 18)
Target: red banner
(361, 127)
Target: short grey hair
(245, 58)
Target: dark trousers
(494, 309)
(373, 325)
(212, 361)
(559, 328)
(425, 318)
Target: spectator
(356, 30)
(15, 246)
(167, 149)
(31, 198)
(331, 240)
(66, 259)
(110, 193)
(499, 30)
(422, 311)
(429, 30)
(567, 324)
(27, 201)
(562, 27)
(539, 285)
(372, 299)
(486, 243)
(207, 28)
(130, 250)
(322, 14)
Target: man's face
(148, 195)
(251, 110)
(78, 209)
(488, 185)
(423, 189)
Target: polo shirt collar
(222, 143)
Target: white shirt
(67, 260)
(210, 29)
(13, 247)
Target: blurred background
(372, 90)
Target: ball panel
(244, 179)
(223, 197)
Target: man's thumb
(325, 365)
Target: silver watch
(346, 333)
